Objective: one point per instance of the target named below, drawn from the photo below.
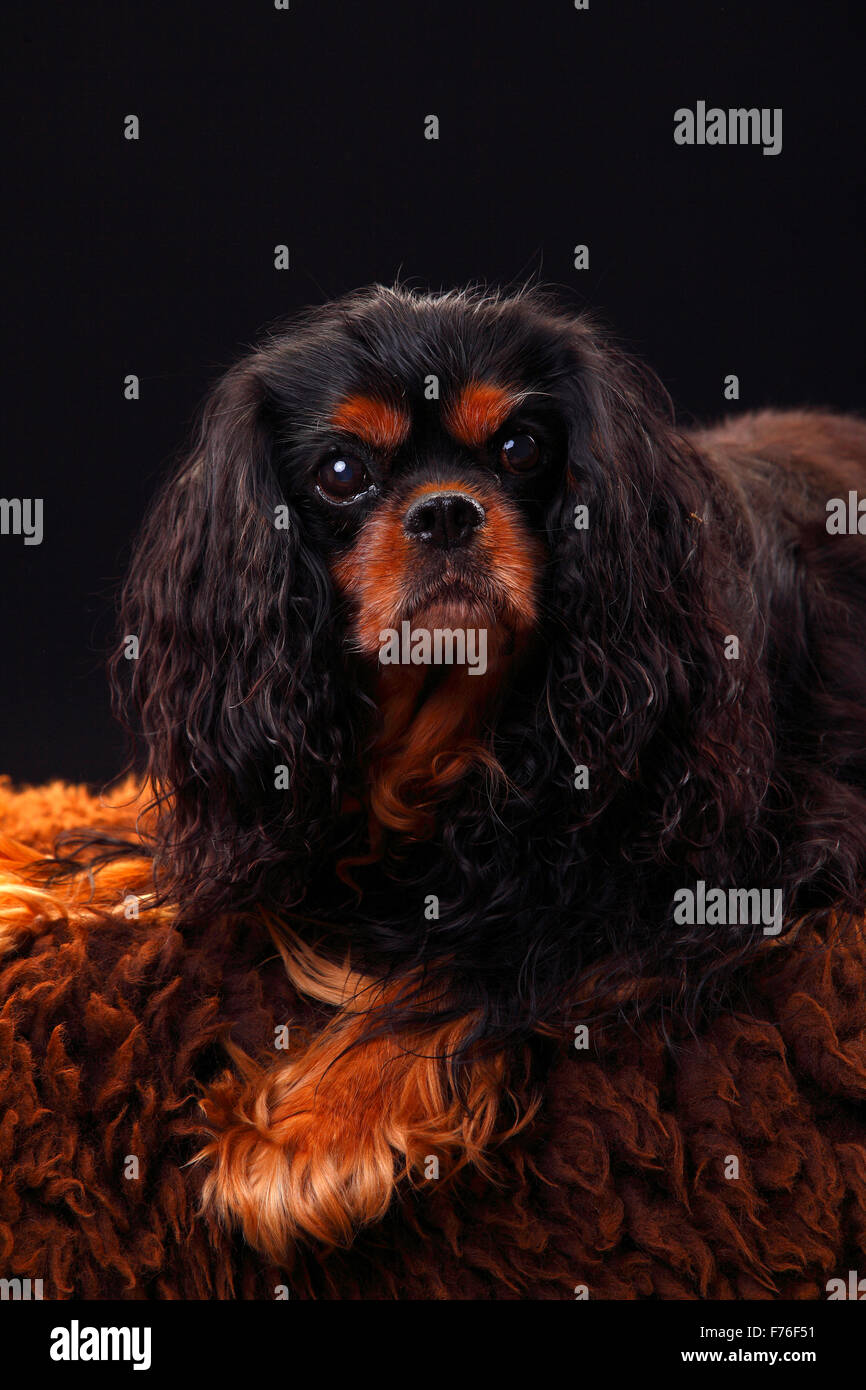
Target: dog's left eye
(519, 453)
(342, 479)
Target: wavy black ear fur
(238, 671)
(647, 594)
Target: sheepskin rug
(726, 1165)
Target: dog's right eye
(343, 479)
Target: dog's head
(395, 464)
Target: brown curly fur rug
(109, 1027)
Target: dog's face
(443, 540)
(422, 445)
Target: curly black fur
(748, 772)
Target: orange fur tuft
(480, 409)
(428, 745)
(379, 424)
(314, 1149)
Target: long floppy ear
(235, 681)
(643, 687)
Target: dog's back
(799, 479)
(797, 459)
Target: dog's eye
(519, 453)
(341, 479)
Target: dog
(462, 670)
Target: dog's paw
(315, 1149)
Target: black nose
(444, 519)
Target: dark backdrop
(306, 127)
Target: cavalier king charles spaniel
(461, 859)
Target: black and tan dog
(459, 864)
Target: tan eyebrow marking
(479, 410)
(379, 424)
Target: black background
(307, 127)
